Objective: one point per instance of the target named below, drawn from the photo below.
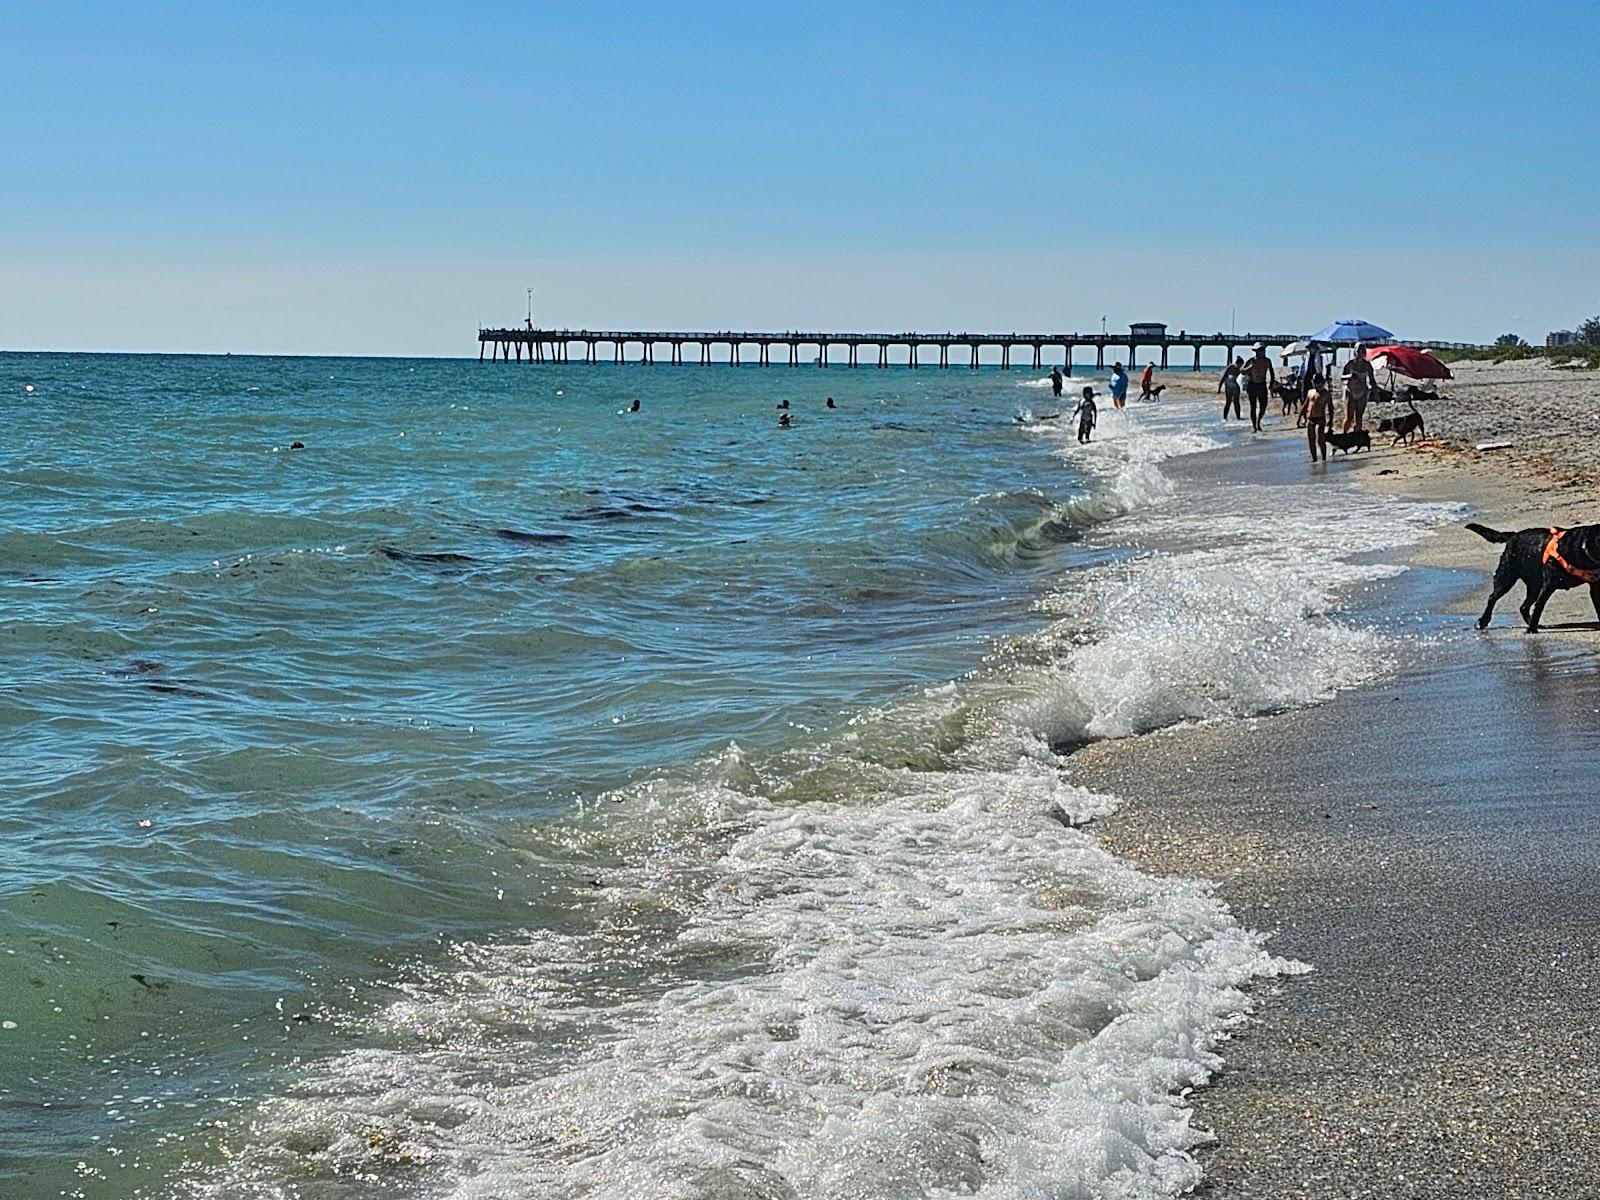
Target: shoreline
(1423, 842)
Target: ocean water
(504, 795)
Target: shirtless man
(1258, 376)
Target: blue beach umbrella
(1351, 330)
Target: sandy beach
(1425, 844)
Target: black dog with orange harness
(1547, 561)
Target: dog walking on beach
(1356, 439)
(1405, 429)
(1546, 561)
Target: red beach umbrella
(1408, 361)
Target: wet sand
(1428, 845)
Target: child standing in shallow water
(1086, 412)
(1318, 413)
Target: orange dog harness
(1552, 554)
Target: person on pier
(1119, 385)
(1258, 379)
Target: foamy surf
(932, 988)
(887, 962)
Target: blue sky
(378, 178)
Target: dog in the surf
(1356, 439)
(1404, 429)
(1545, 561)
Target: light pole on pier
(530, 308)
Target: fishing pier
(852, 349)
(1037, 350)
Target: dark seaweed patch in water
(425, 556)
(606, 512)
(533, 539)
(598, 513)
(178, 689)
(136, 667)
(149, 673)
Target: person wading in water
(1087, 413)
(1228, 385)
(1258, 376)
(1318, 413)
(1119, 385)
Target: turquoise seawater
(282, 724)
(506, 796)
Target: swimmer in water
(783, 421)
(783, 403)
(831, 404)
(634, 407)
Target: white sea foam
(1236, 614)
(934, 990)
(885, 964)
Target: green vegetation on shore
(1575, 355)
(1508, 347)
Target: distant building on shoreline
(1560, 337)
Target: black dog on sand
(1356, 439)
(1404, 428)
(1546, 561)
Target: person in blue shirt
(1119, 385)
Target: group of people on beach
(1308, 387)
(1087, 412)
(1253, 380)
(1148, 389)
